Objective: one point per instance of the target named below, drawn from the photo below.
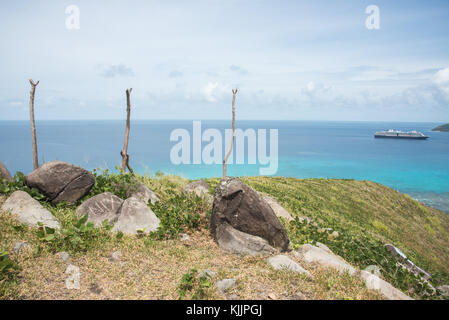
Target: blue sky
(305, 60)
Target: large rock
(29, 210)
(140, 190)
(4, 173)
(136, 215)
(277, 208)
(200, 188)
(104, 206)
(244, 209)
(373, 282)
(61, 181)
(238, 242)
(315, 255)
(281, 262)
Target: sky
(290, 60)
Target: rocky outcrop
(242, 208)
(61, 181)
(238, 242)
(200, 188)
(136, 215)
(104, 206)
(140, 191)
(4, 173)
(29, 210)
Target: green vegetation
(7, 187)
(442, 128)
(197, 286)
(365, 214)
(76, 236)
(8, 273)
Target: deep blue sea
(306, 149)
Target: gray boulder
(243, 208)
(29, 210)
(277, 208)
(281, 262)
(4, 173)
(136, 215)
(61, 181)
(235, 241)
(200, 188)
(373, 282)
(140, 191)
(322, 257)
(225, 284)
(104, 206)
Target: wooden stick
(32, 124)
(234, 93)
(124, 152)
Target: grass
(160, 266)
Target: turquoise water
(306, 149)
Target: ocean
(306, 149)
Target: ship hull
(400, 137)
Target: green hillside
(365, 214)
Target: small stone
(232, 297)
(184, 237)
(225, 284)
(272, 296)
(20, 246)
(281, 262)
(95, 288)
(207, 273)
(333, 235)
(64, 256)
(297, 296)
(73, 281)
(115, 256)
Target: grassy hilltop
(161, 266)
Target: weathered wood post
(124, 152)
(234, 93)
(32, 124)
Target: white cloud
(214, 91)
(442, 77)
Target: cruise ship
(400, 134)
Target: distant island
(442, 128)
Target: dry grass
(154, 271)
